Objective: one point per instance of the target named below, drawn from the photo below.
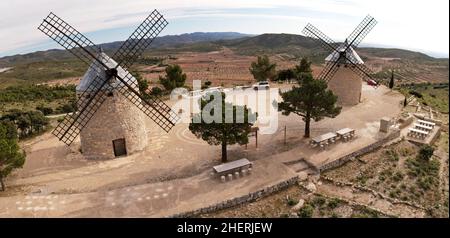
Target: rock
(311, 187)
(319, 183)
(302, 176)
(298, 206)
(293, 215)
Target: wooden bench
(416, 133)
(426, 123)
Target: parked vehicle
(261, 85)
(372, 82)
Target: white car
(261, 85)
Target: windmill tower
(118, 127)
(110, 108)
(344, 70)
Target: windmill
(109, 89)
(344, 69)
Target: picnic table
(232, 166)
(345, 131)
(324, 138)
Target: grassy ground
(28, 97)
(435, 96)
(397, 172)
(281, 204)
(39, 72)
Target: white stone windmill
(110, 114)
(344, 69)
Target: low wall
(344, 159)
(404, 122)
(250, 197)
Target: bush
(318, 201)
(45, 110)
(292, 202)
(398, 176)
(415, 93)
(333, 203)
(426, 152)
(156, 91)
(306, 211)
(68, 108)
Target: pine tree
(312, 101)
(226, 131)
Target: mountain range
(246, 44)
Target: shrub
(415, 93)
(45, 110)
(306, 211)
(333, 203)
(292, 202)
(318, 201)
(426, 152)
(398, 176)
(392, 155)
(156, 91)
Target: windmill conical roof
(95, 69)
(351, 55)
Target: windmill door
(119, 147)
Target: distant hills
(159, 42)
(58, 64)
(293, 45)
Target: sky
(409, 24)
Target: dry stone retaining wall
(250, 197)
(365, 150)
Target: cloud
(410, 24)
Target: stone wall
(116, 118)
(344, 159)
(404, 122)
(242, 199)
(347, 86)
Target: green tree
(156, 91)
(391, 82)
(11, 157)
(426, 152)
(312, 100)
(38, 121)
(174, 78)
(285, 74)
(45, 110)
(226, 131)
(262, 69)
(142, 83)
(23, 124)
(303, 69)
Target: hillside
(59, 64)
(159, 42)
